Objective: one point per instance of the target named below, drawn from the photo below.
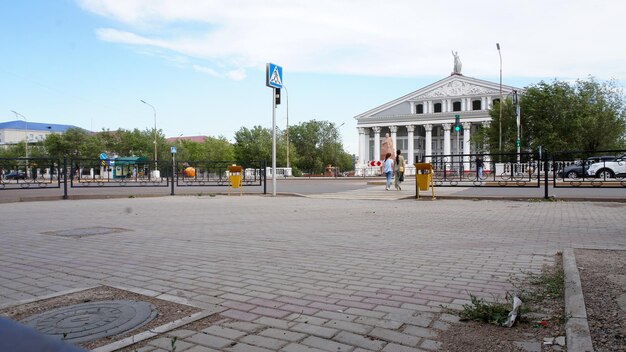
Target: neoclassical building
(420, 123)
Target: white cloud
(539, 38)
(206, 70)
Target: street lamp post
(287, 130)
(155, 134)
(18, 115)
(500, 132)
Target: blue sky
(201, 63)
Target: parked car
(609, 169)
(578, 169)
(15, 175)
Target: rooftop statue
(457, 63)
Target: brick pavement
(296, 274)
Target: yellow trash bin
(423, 180)
(234, 178)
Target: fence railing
(23, 173)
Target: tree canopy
(584, 115)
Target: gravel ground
(603, 277)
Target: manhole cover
(86, 231)
(90, 321)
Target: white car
(608, 169)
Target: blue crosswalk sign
(274, 76)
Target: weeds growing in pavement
(540, 293)
(486, 312)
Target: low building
(13, 132)
(420, 123)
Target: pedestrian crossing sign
(274, 76)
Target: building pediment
(456, 88)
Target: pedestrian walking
(479, 167)
(388, 169)
(398, 170)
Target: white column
(487, 159)
(489, 102)
(362, 159)
(466, 145)
(427, 107)
(446, 139)
(449, 105)
(483, 103)
(376, 155)
(394, 137)
(411, 146)
(463, 104)
(428, 148)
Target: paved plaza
(297, 274)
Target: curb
(576, 328)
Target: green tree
(585, 115)
(68, 144)
(318, 144)
(256, 144)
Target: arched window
(476, 105)
(437, 107)
(496, 101)
(419, 108)
(456, 106)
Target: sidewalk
(297, 274)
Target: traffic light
(277, 95)
(457, 123)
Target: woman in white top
(388, 169)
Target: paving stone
(224, 332)
(242, 325)
(431, 345)
(209, 341)
(240, 315)
(419, 331)
(359, 341)
(294, 347)
(283, 334)
(314, 330)
(349, 326)
(166, 343)
(394, 347)
(242, 347)
(263, 341)
(395, 336)
(326, 344)
(200, 349)
(275, 323)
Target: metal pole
(155, 134)
(273, 142)
(545, 177)
(518, 144)
(500, 133)
(173, 172)
(65, 178)
(287, 130)
(18, 115)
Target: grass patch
(485, 312)
(541, 294)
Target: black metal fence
(37, 173)
(588, 169)
(215, 173)
(119, 173)
(498, 170)
(25, 173)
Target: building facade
(13, 132)
(420, 123)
